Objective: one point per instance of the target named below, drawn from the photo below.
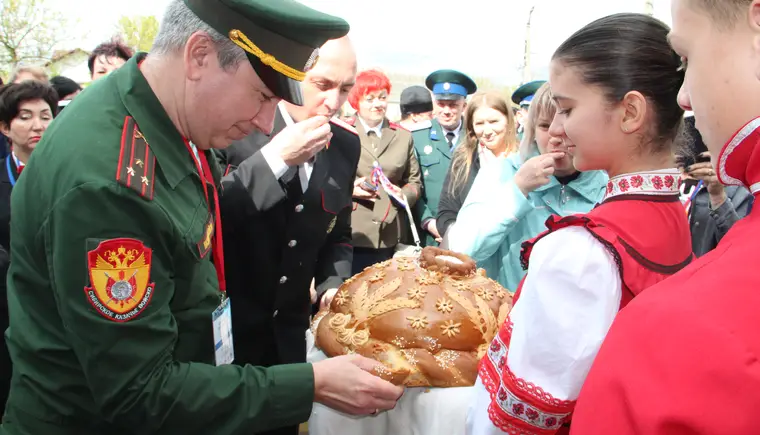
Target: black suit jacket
(274, 245)
(451, 202)
(6, 186)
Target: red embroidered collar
(739, 160)
(662, 182)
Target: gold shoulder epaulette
(137, 165)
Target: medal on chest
(331, 225)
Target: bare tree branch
(29, 32)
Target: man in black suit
(286, 215)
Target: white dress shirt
(19, 163)
(457, 131)
(378, 129)
(271, 153)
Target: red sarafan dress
(684, 357)
(581, 272)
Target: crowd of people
(242, 162)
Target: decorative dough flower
(450, 328)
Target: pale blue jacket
(497, 218)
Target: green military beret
(447, 84)
(524, 94)
(281, 37)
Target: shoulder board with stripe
(395, 126)
(424, 125)
(136, 167)
(344, 125)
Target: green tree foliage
(139, 31)
(29, 32)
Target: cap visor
(280, 85)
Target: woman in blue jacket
(509, 203)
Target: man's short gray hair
(179, 23)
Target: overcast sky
(483, 38)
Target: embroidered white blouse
(569, 299)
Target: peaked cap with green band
(281, 37)
(524, 94)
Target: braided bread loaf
(428, 320)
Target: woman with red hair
(378, 222)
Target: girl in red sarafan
(616, 111)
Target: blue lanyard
(10, 173)
(696, 190)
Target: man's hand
(344, 383)
(327, 298)
(298, 143)
(433, 230)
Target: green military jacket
(111, 201)
(435, 159)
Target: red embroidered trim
(518, 406)
(643, 183)
(505, 332)
(515, 427)
(513, 383)
(496, 356)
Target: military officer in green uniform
(435, 141)
(522, 97)
(119, 323)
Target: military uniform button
(299, 208)
(292, 243)
(276, 312)
(283, 280)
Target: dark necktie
(373, 139)
(450, 138)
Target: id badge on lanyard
(224, 352)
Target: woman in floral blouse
(616, 111)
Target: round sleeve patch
(120, 278)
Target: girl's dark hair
(112, 48)
(12, 95)
(630, 52)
